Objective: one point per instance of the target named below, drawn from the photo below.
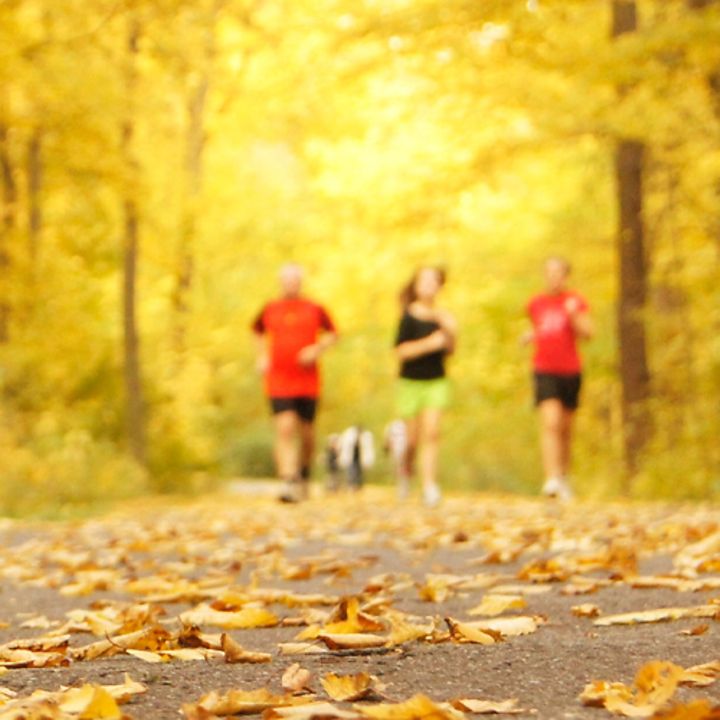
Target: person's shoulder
(312, 304)
(536, 299)
(572, 293)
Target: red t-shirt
(291, 324)
(555, 341)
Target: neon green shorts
(416, 395)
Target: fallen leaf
(311, 711)
(301, 648)
(296, 679)
(418, 707)
(347, 688)
(242, 702)
(654, 685)
(695, 710)
(355, 641)
(696, 631)
(701, 675)
(585, 610)
(127, 690)
(659, 615)
(235, 653)
(467, 632)
(90, 702)
(490, 707)
(248, 617)
(492, 605)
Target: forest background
(161, 158)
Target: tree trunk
(35, 184)
(135, 411)
(193, 170)
(7, 228)
(194, 144)
(632, 268)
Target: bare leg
(286, 457)
(429, 451)
(412, 426)
(566, 425)
(551, 443)
(307, 443)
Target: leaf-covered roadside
(360, 607)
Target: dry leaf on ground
(418, 707)
(296, 679)
(492, 605)
(347, 688)
(654, 685)
(477, 706)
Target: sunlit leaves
(87, 702)
(654, 685)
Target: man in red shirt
(293, 333)
(559, 317)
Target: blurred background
(159, 159)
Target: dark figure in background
(357, 453)
(332, 465)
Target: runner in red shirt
(560, 317)
(292, 333)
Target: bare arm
(580, 320)
(262, 361)
(310, 354)
(448, 324)
(582, 324)
(411, 349)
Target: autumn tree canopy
(159, 160)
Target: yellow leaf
(403, 631)
(147, 656)
(585, 610)
(242, 702)
(311, 711)
(347, 641)
(348, 618)
(90, 702)
(466, 632)
(695, 710)
(497, 604)
(696, 631)
(507, 626)
(301, 648)
(235, 653)
(248, 617)
(347, 688)
(418, 707)
(701, 675)
(296, 679)
(654, 685)
(127, 690)
(487, 707)
(660, 615)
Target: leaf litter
(152, 588)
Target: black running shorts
(565, 388)
(304, 407)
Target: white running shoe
(556, 487)
(432, 496)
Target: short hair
(291, 268)
(561, 260)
